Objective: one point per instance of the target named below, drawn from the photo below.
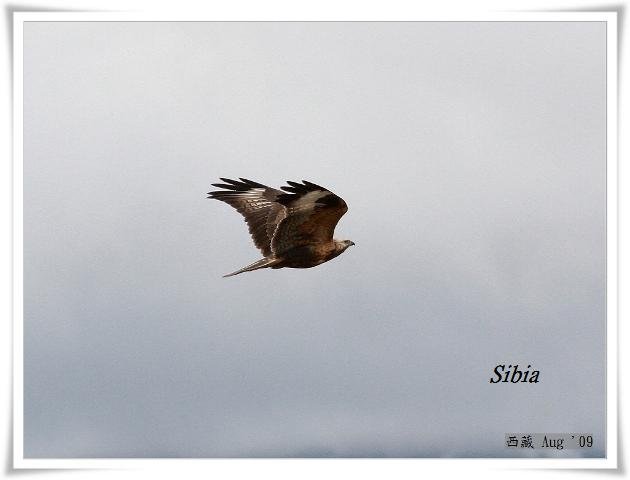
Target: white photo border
(253, 466)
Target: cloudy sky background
(472, 157)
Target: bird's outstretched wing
(311, 216)
(258, 204)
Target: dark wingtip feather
(228, 187)
(251, 183)
(301, 188)
(240, 186)
(312, 185)
(229, 180)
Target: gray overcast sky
(472, 157)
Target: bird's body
(292, 227)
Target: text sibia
(512, 374)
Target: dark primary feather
(242, 186)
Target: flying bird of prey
(292, 227)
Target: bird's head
(343, 244)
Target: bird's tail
(262, 263)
